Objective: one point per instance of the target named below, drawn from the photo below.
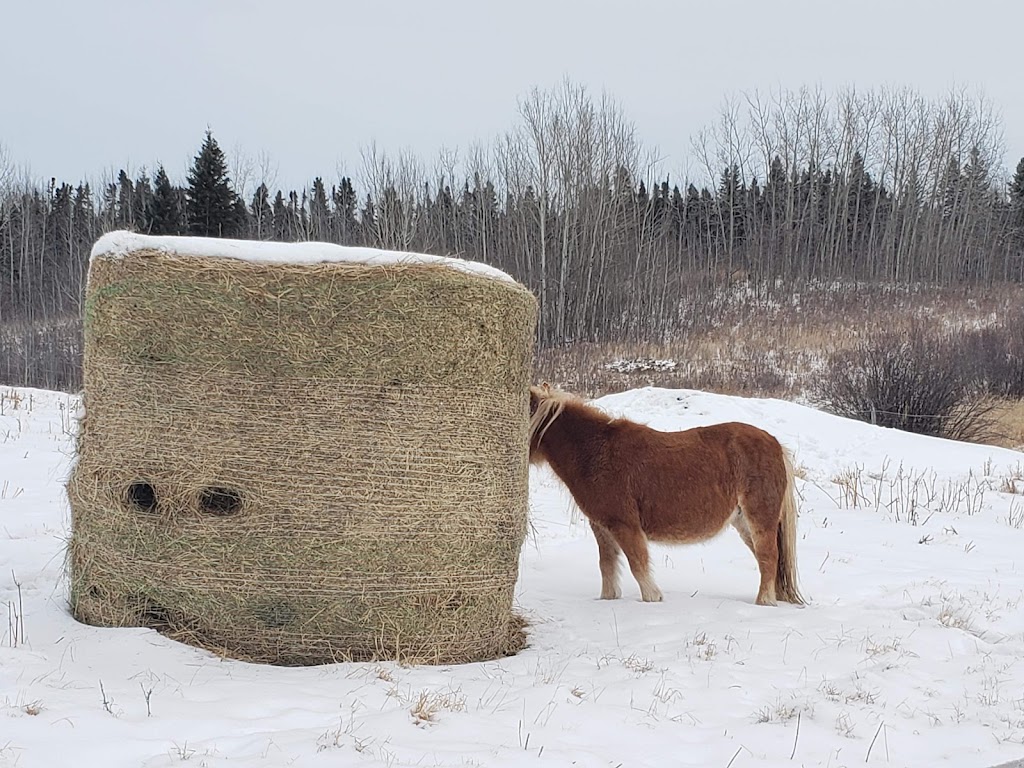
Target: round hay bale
(304, 454)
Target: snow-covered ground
(911, 652)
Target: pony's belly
(687, 528)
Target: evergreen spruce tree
(63, 216)
(368, 222)
(212, 204)
(695, 221)
(1017, 203)
(242, 220)
(279, 216)
(952, 190)
(262, 216)
(297, 215)
(731, 194)
(164, 215)
(143, 194)
(125, 214)
(862, 195)
(643, 199)
(678, 211)
(320, 219)
(1016, 223)
(776, 191)
(661, 214)
(345, 203)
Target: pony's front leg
(634, 545)
(608, 555)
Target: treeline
(882, 186)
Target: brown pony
(636, 484)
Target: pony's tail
(785, 578)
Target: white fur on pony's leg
(633, 543)
(610, 589)
(649, 591)
(609, 552)
(766, 595)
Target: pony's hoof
(654, 597)
(765, 601)
(611, 595)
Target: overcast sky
(93, 86)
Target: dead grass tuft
(428, 704)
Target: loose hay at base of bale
(301, 463)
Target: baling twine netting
(301, 464)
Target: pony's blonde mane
(550, 404)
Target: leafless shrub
(995, 355)
(910, 380)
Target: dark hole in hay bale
(141, 496)
(220, 502)
(275, 614)
(153, 613)
(154, 616)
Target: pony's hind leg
(608, 554)
(634, 545)
(766, 550)
(764, 545)
(740, 524)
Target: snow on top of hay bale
(118, 244)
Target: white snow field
(910, 653)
